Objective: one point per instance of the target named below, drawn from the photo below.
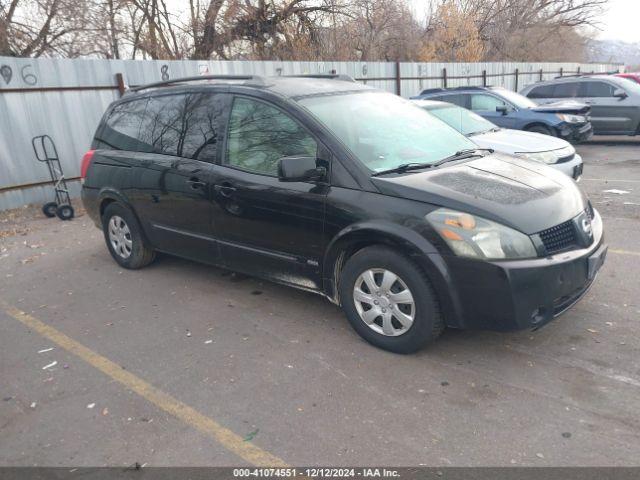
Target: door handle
(225, 189)
(196, 183)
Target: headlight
(543, 157)
(567, 117)
(476, 237)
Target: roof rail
(257, 79)
(333, 76)
(451, 89)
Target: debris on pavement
(45, 350)
(91, 405)
(33, 404)
(615, 191)
(52, 364)
(251, 435)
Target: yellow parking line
(162, 400)
(624, 252)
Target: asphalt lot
(188, 365)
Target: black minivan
(340, 189)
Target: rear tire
(540, 129)
(125, 239)
(406, 293)
(49, 209)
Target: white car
(553, 151)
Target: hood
(516, 141)
(527, 196)
(563, 107)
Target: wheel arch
(408, 242)
(108, 196)
(538, 123)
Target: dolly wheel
(49, 209)
(65, 212)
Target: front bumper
(575, 132)
(572, 168)
(521, 294)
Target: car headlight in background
(569, 118)
(549, 157)
(543, 157)
(476, 237)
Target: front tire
(389, 301)
(124, 237)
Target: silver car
(552, 151)
(614, 101)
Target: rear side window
(183, 125)
(566, 90)
(122, 126)
(260, 134)
(543, 91)
(481, 102)
(597, 89)
(457, 99)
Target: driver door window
(486, 103)
(260, 134)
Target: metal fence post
(516, 74)
(484, 78)
(540, 74)
(120, 82)
(561, 70)
(398, 80)
(444, 78)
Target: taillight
(86, 161)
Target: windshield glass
(630, 85)
(385, 131)
(518, 100)
(466, 122)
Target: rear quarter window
(122, 125)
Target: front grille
(558, 238)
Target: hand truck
(46, 152)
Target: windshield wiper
(403, 168)
(459, 155)
(462, 154)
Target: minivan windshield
(463, 120)
(384, 131)
(518, 100)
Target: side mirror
(502, 109)
(300, 169)
(619, 93)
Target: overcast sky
(621, 21)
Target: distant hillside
(614, 51)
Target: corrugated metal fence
(65, 99)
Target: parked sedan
(507, 109)
(614, 101)
(555, 152)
